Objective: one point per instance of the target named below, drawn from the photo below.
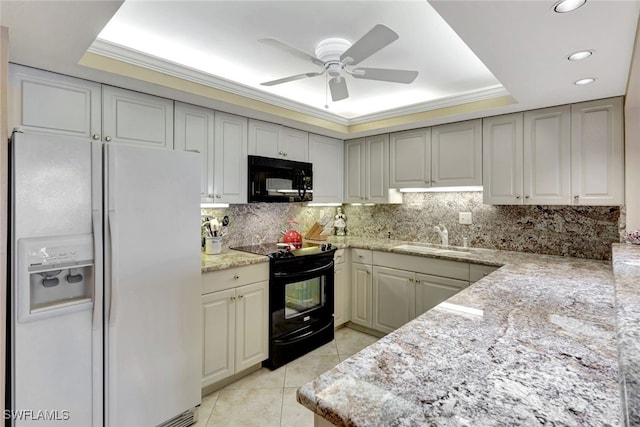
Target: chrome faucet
(443, 233)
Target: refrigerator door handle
(97, 293)
(113, 231)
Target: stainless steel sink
(430, 250)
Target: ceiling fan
(334, 55)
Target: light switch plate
(465, 218)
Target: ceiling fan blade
(384, 74)
(338, 88)
(291, 78)
(292, 50)
(377, 38)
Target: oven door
(301, 296)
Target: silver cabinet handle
(107, 138)
(95, 136)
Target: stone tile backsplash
(581, 231)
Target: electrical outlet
(465, 218)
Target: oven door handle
(306, 272)
(303, 336)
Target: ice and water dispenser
(55, 276)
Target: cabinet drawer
(478, 271)
(338, 257)
(233, 277)
(363, 256)
(436, 267)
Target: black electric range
(301, 296)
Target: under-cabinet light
(214, 205)
(442, 189)
(316, 204)
(462, 309)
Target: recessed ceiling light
(577, 56)
(585, 81)
(568, 5)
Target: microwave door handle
(302, 189)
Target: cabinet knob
(240, 296)
(107, 138)
(417, 280)
(526, 197)
(411, 280)
(285, 154)
(576, 197)
(518, 197)
(95, 136)
(218, 196)
(211, 195)
(233, 298)
(236, 276)
(281, 153)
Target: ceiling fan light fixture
(580, 55)
(565, 6)
(329, 50)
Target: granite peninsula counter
(533, 343)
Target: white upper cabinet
(367, 171)
(45, 102)
(410, 159)
(502, 158)
(194, 131)
(456, 154)
(442, 156)
(136, 118)
(527, 158)
(597, 152)
(230, 158)
(547, 156)
(221, 139)
(326, 156)
(276, 141)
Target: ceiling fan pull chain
(326, 91)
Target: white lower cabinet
(361, 287)
(393, 298)
(342, 289)
(390, 289)
(432, 290)
(235, 321)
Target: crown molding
(131, 56)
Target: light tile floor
(268, 398)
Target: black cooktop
(273, 250)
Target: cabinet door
(230, 159)
(136, 118)
(547, 161)
(264, 138)
(326, 156)
(597, 152)
(456, 151)
(295, 145)
(361, 284)
(252, 323)
(377, 169)
(393, 298)
(354, 171)
(46, 102)
(432, 290)
(219, 326)
(194, 132)
(502, 159)
(341, 297)
(410, 159)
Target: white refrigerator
(105, 284)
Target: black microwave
(279, 180)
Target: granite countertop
(626, 270)
(229, 258)
(533, 343)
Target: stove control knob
(329, 246)
(323, 247)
